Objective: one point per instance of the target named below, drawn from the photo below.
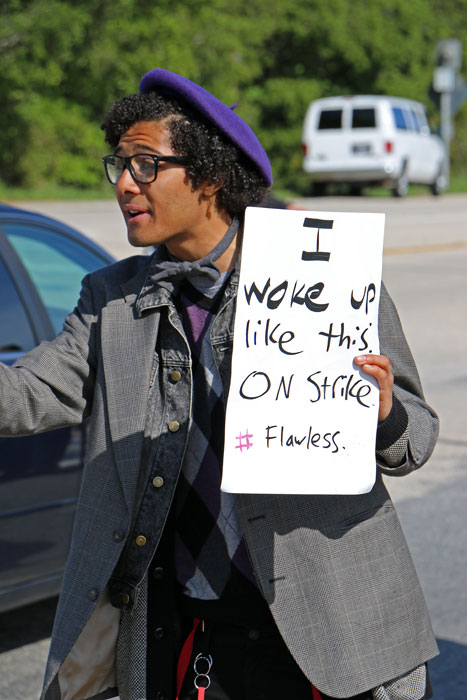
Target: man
(172, 586)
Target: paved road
(425, 269)
(430, 290)
(412, 222)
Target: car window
(415, 120)
(421, 117)
(363, 118)
(399, 119)
(56, 265)
(408, 119)
(15, 330)
(330, 119)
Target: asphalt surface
(430, 290)
(413, 224)
(425, 269)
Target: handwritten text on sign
(301, 417)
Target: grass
(53, 192)
(457, 185)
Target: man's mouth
(135, 214)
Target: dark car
(42, 263)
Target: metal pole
(446, 129)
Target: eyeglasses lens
(114, 168)
(144, 168)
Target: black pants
(248, 663)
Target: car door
(40, 273)
(417, 158)
(431, 149)
(403, 140)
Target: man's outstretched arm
(52, 385)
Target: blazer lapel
(128, 346)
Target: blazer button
(158, 573)
(174, 425)
(125, 598)
(254, 635)
(175, 376)
(160, 695)
(159, 632)
(93, 594)
(141, 540)
(158, 481)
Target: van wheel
(318, 189)
(439, 184)
(401, 186)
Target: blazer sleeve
(422, 427)
(52, 385)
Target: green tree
(340, 47)
(63, 62)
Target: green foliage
(54, 123)
(63, 62)
(459, 144)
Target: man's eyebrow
(140, 148)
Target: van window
(422, 120)
(363, 119)
(408, 119)
(330, 119)
(415, 120)
(399, 118)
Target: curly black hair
(212, 157)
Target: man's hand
(379, 367)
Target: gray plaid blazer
(335, 570)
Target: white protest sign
(301, 416)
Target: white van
(372, 139)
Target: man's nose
(126, 183)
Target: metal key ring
(202, 657)
(202, 675)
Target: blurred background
(63, 62)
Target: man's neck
(204, 241)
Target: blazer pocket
(369, 514)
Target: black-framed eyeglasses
(142, 166)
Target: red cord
(185, 656)
(184, 662)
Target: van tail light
(304, 149)
(388, 146)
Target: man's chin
(137, 241)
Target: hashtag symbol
(244, 441)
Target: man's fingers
(374, 360)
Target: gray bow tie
(169, 273)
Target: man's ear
(209, 189)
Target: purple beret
(213, 111)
